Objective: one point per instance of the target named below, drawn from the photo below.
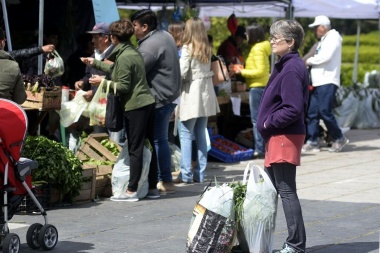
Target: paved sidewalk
(339, 195)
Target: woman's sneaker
(153, 194)
(287, 249)
(338, 145)
(306, 148)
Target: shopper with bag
(128, 73)
(281, 122)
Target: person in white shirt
(325, 76)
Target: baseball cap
(320, 20)
(240, 31)
(102, 28)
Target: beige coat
(198, 98)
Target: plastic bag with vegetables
(54, 66)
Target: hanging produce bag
(212, 227)
(256, 228)
(98, 104)
(54, 65)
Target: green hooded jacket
(128, 72)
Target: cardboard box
(45, 99)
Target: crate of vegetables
(41, 93)
(95, 147)
(228, 151)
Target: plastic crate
(42, 194)
(228, 151)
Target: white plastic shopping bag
(121, 172)
(72, 110)
(259, 211)
(212, 227)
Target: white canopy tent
(343, 9)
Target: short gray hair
(289, 29)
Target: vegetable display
(57, 165)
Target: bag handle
(249, 172)
(114, 88)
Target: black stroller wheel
(48, 237)
(32, 235)
(11, 243)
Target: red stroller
(16, 181)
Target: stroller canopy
(13, 126)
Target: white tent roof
(345, 9)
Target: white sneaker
(339, 144)
(125, 197)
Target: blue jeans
(255, 95)
(197, 128)
(321, 107)
(161, 142)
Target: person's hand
(88, 95)
(79, 85)
(48, 48)
(87, 60)
(95, 80)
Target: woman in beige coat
(198, 99)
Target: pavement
(339, 194)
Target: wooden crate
(44, 99)
(87, 191)
(103, 181)
(91, 148)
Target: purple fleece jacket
(285, 98)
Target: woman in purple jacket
(281, 122)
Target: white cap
(320, 20)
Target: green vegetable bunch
(57, 165)
(240, 191)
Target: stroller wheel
(48, 237)
(32, 235)
(11, 243)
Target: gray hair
(289, 29)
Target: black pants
(139, 125)
(283, 176)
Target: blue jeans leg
(161, 128)
(326, 105)
(255, 95)
(197, 128)
(321, 106)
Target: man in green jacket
(11, 82)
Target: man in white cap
(325, 76)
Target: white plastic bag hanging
(98, 104)
(72, 110)
(54, 65)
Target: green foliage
(348, 68)
(240, 191)
(57, 165)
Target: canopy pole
(356, 60)
(40, 35)
(7, 32)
